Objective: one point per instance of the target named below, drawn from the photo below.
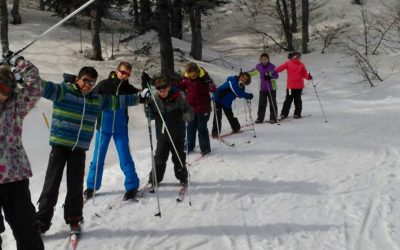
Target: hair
(125, 64)
(7, 77)
(89, 71)
(192, 67)
(160, 80)
(264, 55)
(248, 77)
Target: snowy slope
(304, 184)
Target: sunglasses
(5, 89)
(89, 82)
(164, 86)
(124, 73)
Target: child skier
(15, 169)
(267, 89)
(75, 110)
(175, 111)
(296, 73)
(198, 84)
(113, 124)
(223, 98)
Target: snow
(304, 184)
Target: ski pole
(97, 158)
(153, 164)
(251, 119)
(245, 111)
(219, 134)
(172, 141)
(56, 25)
(320, 104)
(46, 121)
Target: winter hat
(294, 54)
(7, 81)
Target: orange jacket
(296, 72)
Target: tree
(283, 13)
(145, 14)
(195, 8)
(177, 19)
(4, 26)
(16, 17)
(304, 24)
(293, 9)
(164, 37)
(96, 11)
(196, 49)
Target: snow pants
(233, 121)
(292, 94)
(161, 157)
(19, 212)
(75, 161)
(265, 97)
(199, 124)
(125, 160)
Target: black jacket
(175, 111)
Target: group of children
(78, 106)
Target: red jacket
(198, 91)
(296, 73)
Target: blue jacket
(114, 121)
(228, 91)
(74, 113)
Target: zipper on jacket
(80, 127)
(117, 93)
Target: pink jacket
(14, 163)
(296, 73)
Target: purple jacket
(269, 68)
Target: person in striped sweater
(75, 111)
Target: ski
(181, 193)
(197, 159)
(74, 237)
(148, 188)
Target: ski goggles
(125, 73)
(89, 82)
(5, 89)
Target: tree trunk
(145, 13)
(95, 22)
(164, 37)
(16, 17)
(177, 18)
(284, 17)
(136, 13)
(41, 4)
(305, 19)
(294, 15)
(196, 49)
(4, 26)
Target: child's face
(163, 92)
(264, 60)
(3, 98)
(123, 73)
(86, 83)
(244, 79)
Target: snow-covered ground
(304, 184)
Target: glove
(310, 76)
(267, 77)
(145, 94)
(11, 59)
(251, 96)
